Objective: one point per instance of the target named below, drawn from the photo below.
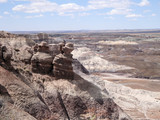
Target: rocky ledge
(48, 86)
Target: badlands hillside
(43, 77)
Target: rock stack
(42, 60)
(62, 63)
(51, 59)
(54, 48)
(25, 54)
(5, 54)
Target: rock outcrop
(26, 95)
(5, 54)
(42, 60)
(54, 49)
(62, 63)
(23, 94)
(79, 99)
(61, 99)
(18, 48)
(25, 54)
(4, 34)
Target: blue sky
(29, 15)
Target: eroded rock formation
(42, 60)
(23, 94)
(26, 95)
(53, 58)
(5, 54)
(4, 34)
(25, 54)
(62, 63)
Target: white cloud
(153, 14)
(52, 14)
(41, 6)
(35, 16)
(6, 13)
(144, 3)
(100, 4)
(68, 14)
(2, 1)
(0, 17)
(133, 15)
(119, 7)
(119, 11)
(110, 17)
(84, 14)
(70, 7)
(37, 7)
(147, 11)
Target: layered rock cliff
(30, 90)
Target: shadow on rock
(92, 89)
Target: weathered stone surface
(6, 54)
(13, 112)
(43, 47)
(54, 49)
(4, 96)
(42, 63)
(23, 94)
(25, 54)
(62, 63)
(4, 34)
(79, 99)
(63, 67)
(19, 47)
(61, 45)
(35, 48)
(41, 97)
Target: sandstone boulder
(41, 61)
(25, 54)
(62, 63)
(35, 48)
(54, 49)
(6, 54)
(62, 67)
(61, 45)
(43, 47)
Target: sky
(38, 15)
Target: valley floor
(135, 83)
